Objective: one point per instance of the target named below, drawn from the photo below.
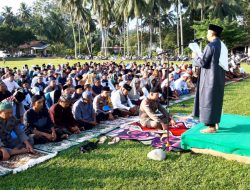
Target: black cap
(65, 87)
(215, 28)
(105, 88)
(36, 98)
(127, 87)
(78, 86)
(19, 95)
(155, 89)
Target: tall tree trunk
(79, 38)
(124, 38)
(181, 28)
(91, 46)
(127, 37)
(86, 40)
(74, 34)
(202, 9)
(138, 37)
(178, 32)
(141, 39)
(106, 40)
(160, 41)
(150, 35)
(102, 33)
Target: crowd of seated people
(48, 103)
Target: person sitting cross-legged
(83, 111)
(103, 106)
(38, 123)
(8, 123)
(122, 102)
(147, 112)
(62, 118)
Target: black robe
(210, 89)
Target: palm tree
(8, 16)
(225, 8)
(69, 6)
(121, 8)
(24, 13)
(102, 11)
(155, 8)
(137, 8)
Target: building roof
(34, 45)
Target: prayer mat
(162, 142)
(22, 162)
(120, 122)
(92, 133)
(55, 146)
(233, 136)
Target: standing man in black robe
(210, 88)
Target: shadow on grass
(60, 177)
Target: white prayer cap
(157, 154)
(122, 83)
(35, 90)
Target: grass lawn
(125, 165)
(20, 62)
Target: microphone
(197, 40)
(165, 52)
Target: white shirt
(116, 101)
(11, 85)
(180, 84)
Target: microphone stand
(167, 56)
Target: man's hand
(75, 130)
(53, 135)
(133, 109)
(29, 147)
(164, 126)
(93, 123)
(172, 122)
(111, 117)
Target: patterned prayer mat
(22, 162)
(154, 137)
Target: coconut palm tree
(8, 16)
(24, 13)
(121, 8)
(156, 8)
(136, 8)
(225, 8)
(70, 7)
(102, 12)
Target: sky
(15, 4)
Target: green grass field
(20, 62)
(125, 165)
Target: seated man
(38, 123)
(122, 103)
(100, 103)
(62, 118)
(4, 93)
(9, 124)
(181, 84)
(77, 94)
(97, 87)
(83, 111)
(17, 106)
(147, 112)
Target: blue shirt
(83, 111)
